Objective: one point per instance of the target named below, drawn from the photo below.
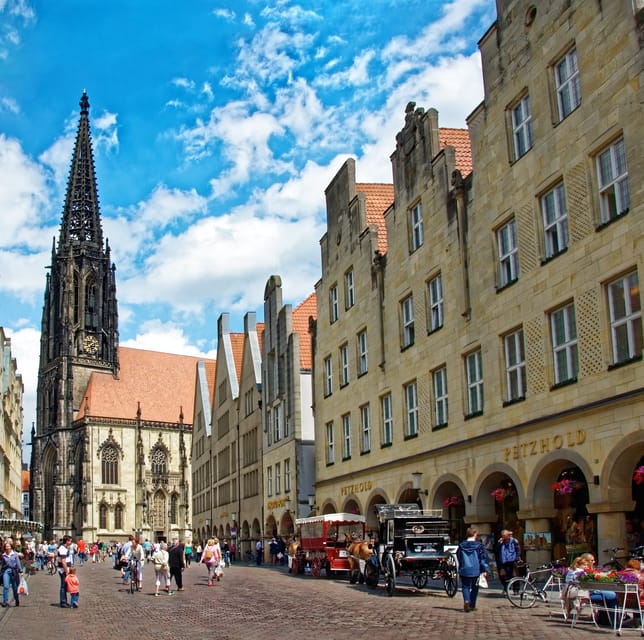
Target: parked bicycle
(134, 575)
(524, 591)
(615, 562)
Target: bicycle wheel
(390, 575)
(132, 579)
(521, 593)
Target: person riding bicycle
(136, 558)
(507, 552)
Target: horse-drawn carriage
(413, 542)
(322, 543)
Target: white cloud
(356, 75)
(168, 337)
(23, 196)
(227, 14)
(9, 104)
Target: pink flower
(638, 476)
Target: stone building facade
(11, 392)
(506, 387)
(288, 439)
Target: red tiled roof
(163, 383)
(379, 198)
(237, 344)
(301, 315)
(211, 377)
(260, 335)
(460, 140)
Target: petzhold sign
(540, 446)
(358, 487)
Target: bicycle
(614, 563)
(51, 565)
(134, 575)
(523, 592)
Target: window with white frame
(387, 419)
(522, 127)
(612, 176)
(411, 409)
(407, 310)
(330, 443)
(278, 478)
(365, 424)
(344, 365)
(328, 376)
(555, 220)
(506, 238)
(269, 481)
(515, 379)
(416, 227)
(435, 295)
(567, 84)
(474, 378)
(363, 353)
(563, 332)
(333, 303)
(277, 422)
(439, 379)
(287, 475)
(346, 436)
(625, 312)
(349, 287)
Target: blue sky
(216, 128)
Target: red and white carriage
(322, 543)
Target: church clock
(90, 345)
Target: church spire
(81, 223)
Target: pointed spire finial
(84, 103)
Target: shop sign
(540, 446)
(358, 487)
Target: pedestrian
(12, 570)
(64, 562)
(176, 562)
(72, 584)
(211, 557)
(161, 559)
(188, 552)
(225, 552)
(281, 550)
(259, 552)
(125, 551)
(198, 551)
(507, 553)
(472, 563)
(232, 551)
(82, 550)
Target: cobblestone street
(252, 602)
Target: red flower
(638, 476)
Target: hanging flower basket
(565, 486)
(501, 494)
(638, 476)
(453, 501)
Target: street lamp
(287, 505)
(311, 499)
(415, 483)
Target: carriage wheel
(371, 575)
(390, 575)
(450, 575)
(419, 578)
(316, 567)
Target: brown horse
(358, 550)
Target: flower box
(602, 585)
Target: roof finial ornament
(84, 103)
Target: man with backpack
(472, 563)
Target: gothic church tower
(79, 336)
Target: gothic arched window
(102, 517)
(159, 462)
(174, 502)
(118, 516)
(110, 465)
